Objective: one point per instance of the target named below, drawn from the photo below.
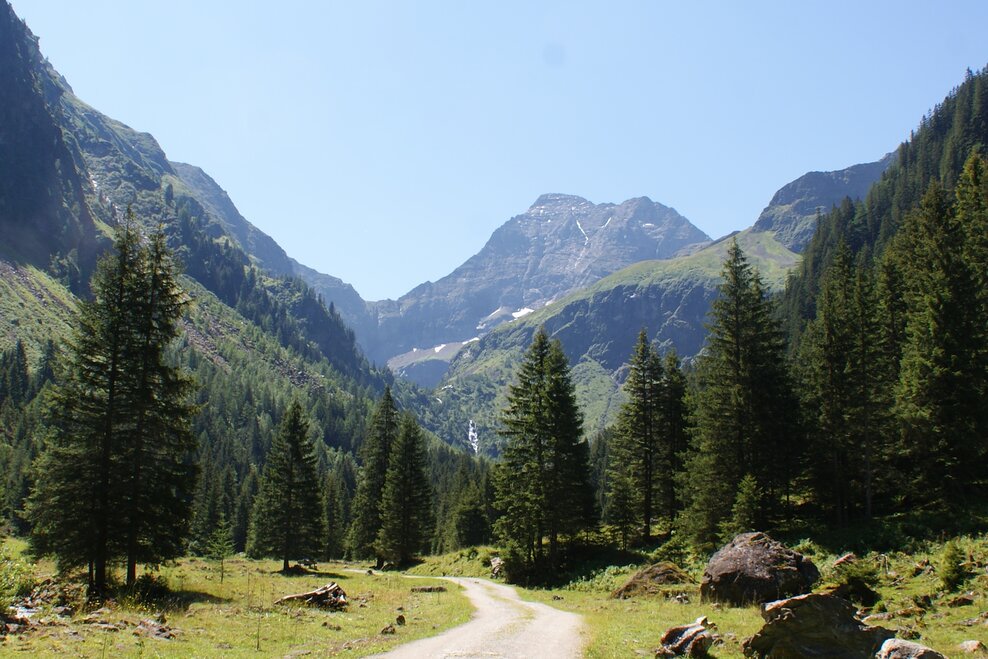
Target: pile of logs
(330, 596)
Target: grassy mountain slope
(598, 326)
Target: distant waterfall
(472, 438)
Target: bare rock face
(693, 640)
(896, 648)
(649, 580)
(814, 625)
(755, 568)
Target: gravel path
(502, 626)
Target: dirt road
(502, 626)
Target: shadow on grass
(180, 600)
(153, 593)
(300, 571)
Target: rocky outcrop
(755, 568)
(649, 581)
(793, 210)
(814, 625)
(896, 648)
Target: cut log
(330, 596)
(428, 589)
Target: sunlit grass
(626, 628)
(237, 617)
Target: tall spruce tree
(542, 484)
(406, 500)
(829, 391)
(637, 456)
(942, 379)
(846, 388)
(675, 417)
(287, 521)
(116, 477)
(743, 408)
(375, 453)
(160, 446)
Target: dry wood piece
(428, 589)
(330, 596)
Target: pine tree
(827, 351)
(115, 480)
(468, 523)
(14, 379)
(942, 379)
(542, 482)
(636, 450)
(245, 504)
(406, 501)
(220, 544)
(287, 520)
(375, 452)
(621, 505)
(158, 453)
(745, 511)
(744, 407)
(675, 415)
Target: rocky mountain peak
(556, 201)
(561, 243)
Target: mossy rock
(649, 581)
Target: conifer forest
(171, 391)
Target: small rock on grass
(693, 640)
(962, 600)
(896, 648)
(973, 647)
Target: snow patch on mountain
(586, 238)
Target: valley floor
(238, 618)
(207, 617)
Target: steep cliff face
(44, 215)
(68, 173)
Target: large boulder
(896, 648)
(648, 581)
(814, 625)
(754, 568)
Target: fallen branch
(330, 596)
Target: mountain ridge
(794, 209)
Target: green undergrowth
(469, 562)
(912, 599)
(237, 617)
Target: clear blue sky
(382, 142)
